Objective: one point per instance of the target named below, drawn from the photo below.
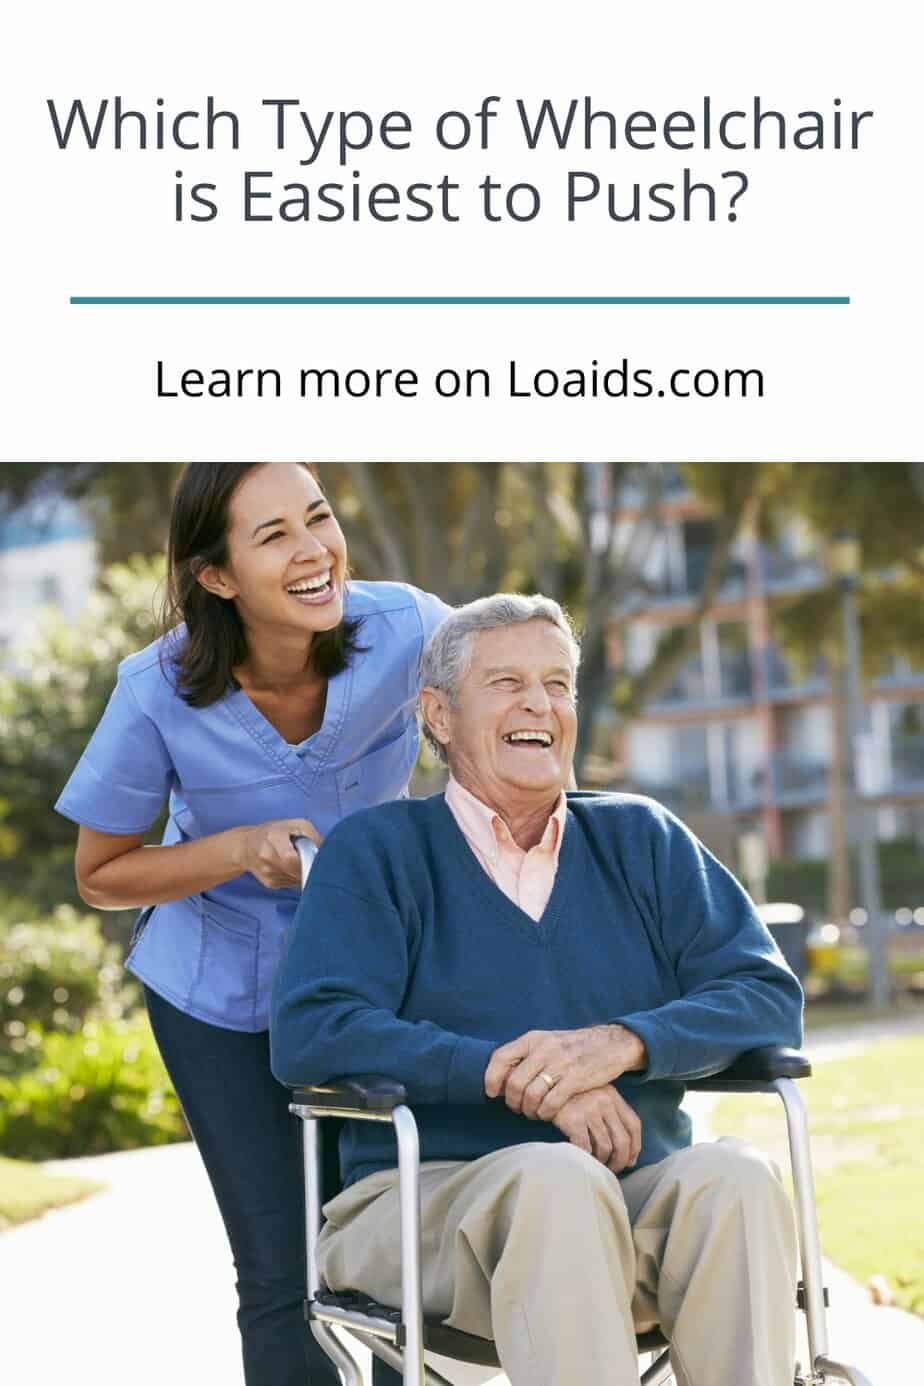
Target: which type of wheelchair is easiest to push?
(400, 1335)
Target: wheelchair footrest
(358, 1303)
(353, 1302)
(450, 1342)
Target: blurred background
(753, 657)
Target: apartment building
(742, 741)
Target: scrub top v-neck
(311, 754)
(214, 955)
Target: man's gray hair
(448, 654)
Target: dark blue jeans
(251, 1147)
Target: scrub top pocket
(227, 980)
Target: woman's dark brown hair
(215, 643)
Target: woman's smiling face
(286, 553)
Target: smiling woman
(280, 699)
(232, 583)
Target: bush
(56, 974)
(49, 709)
(104, 1088)
(804, 881)
(901, 875)
(79, 1073)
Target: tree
(464, 530)
(48, 713)
(882, 506)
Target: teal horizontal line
(456, 300)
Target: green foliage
(809, 625)
(880, 503)
(104, 1088)
(56, 974)
(901, 866)
(890, 611)
(804, 881)
(729, 486)
(463, 529)
(79, 1070)
(48, 713)
(892, 620)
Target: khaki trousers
(542, 1248)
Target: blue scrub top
(214, 955)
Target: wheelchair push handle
(307, 851)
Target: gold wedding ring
(548, 1080)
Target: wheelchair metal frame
(398, 1336)
(400, 1341)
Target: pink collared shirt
(526, 878)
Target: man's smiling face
(512, 731)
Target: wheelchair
(400, 1335)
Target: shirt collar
(486, 827)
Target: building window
(906, 733)
(734, 660)
(698, 543)
(689, 685)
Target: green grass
(27, 1191)
(866, 1116)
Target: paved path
(135, 1284)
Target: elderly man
(542, 970)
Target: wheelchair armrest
(364, 1093)
(755, 1069)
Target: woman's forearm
(156, 875)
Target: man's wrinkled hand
(543, 1069)
(602, 1123)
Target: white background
(841, 383)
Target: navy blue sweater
(407, 960)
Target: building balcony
(692, 691)
(797, 780)
(781, 572)
(901, 680)
(785, 683)
(732, 589)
